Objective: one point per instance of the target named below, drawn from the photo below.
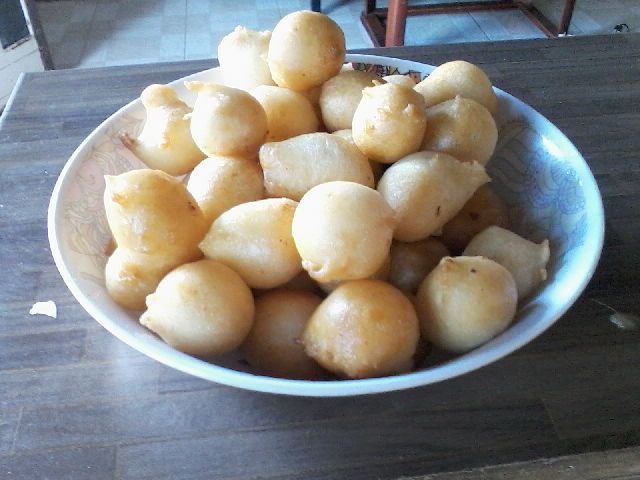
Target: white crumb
(44, 308)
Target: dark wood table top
(77, 403)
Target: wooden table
(77, 403)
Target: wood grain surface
(75, 402)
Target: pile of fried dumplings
(327, 222)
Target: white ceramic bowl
(546, 183)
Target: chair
(386, 26)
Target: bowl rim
(333, 388)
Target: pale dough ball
(482, 210)
(343, 231)
(202, 308)
(294, 166)
(466, 301)
(306, 49)
(131, 276)
(458, 78)
(151, 212)
(255, 240)
(313, 95)
(376, 168)
(226, 121)
(165, 142)
(341, 95)
(426, 189)
(389, 122)
(463, 128)
(274, 344)
(524, 259)
(220, 183)
(365, 328)
(243, 58)
(381, 274)
(412, 262)
(402, 80)
(289, 113)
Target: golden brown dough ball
(463, 128)
(412, 262)
(482, 210)
(365, 328)
(466, 301)
(165, 142)
(341, 95)
(243, 58)
(131, 276)
(343, 231)
(255, 240)
(389, 122)
(202, 308)
(458, 78)
(524, 259)
(306, 49)
(289, 113)
(426, 189)
(220, 183)
(294, 166)
(302, 281)
(402, 80)
(226, 121)
(274, 344)
(151, 212)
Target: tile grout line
(86, 38)
(184, 43)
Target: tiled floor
(94, 33)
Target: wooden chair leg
(396, 23)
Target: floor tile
(96, 32)
(507, 24)
(198, 45)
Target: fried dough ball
(151, 212)
(458, 78)
(482, 210)
(341, 95)
(365, 328)
(313, 95)
(243, 58)
(463, 128)
(289, 113)
(306, 49)
(524, 259)
(165, 142)
(402, 80)
(294, 166)
(220, 183)
(343, 231)
(274, 344)
(412, 262)
(381, 274)
(389, 122)
(376, 168)
(466, 301)
(255, 240)
(131, 276)
(201, 308)
(226, 121)
(426, 189)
